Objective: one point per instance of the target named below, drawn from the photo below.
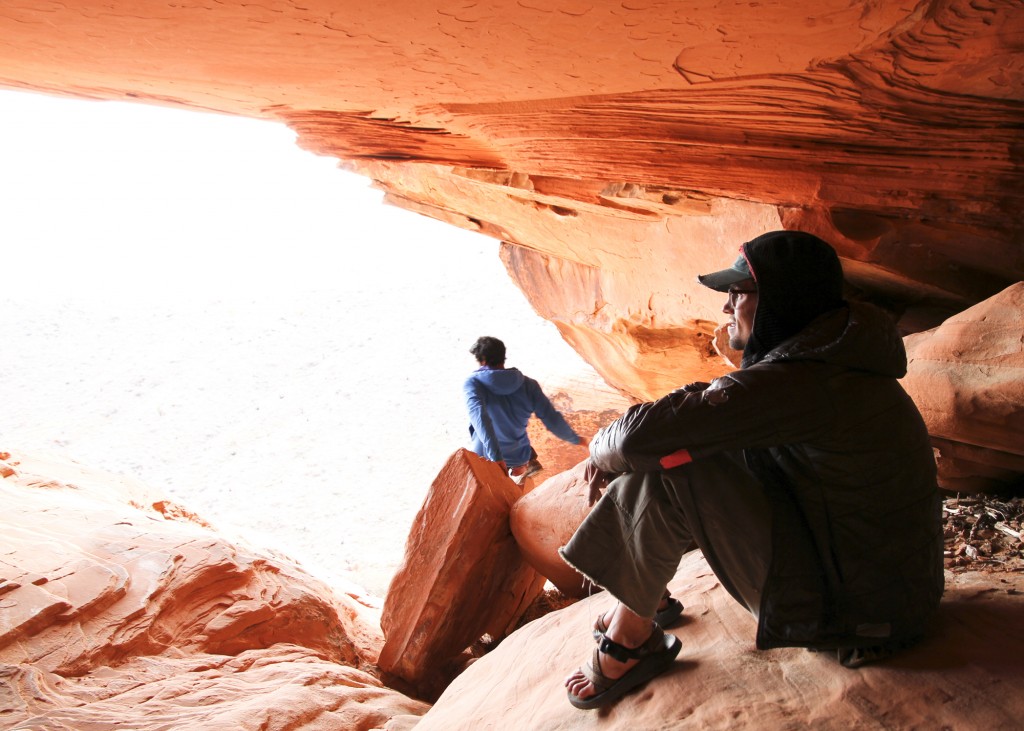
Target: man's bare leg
(601, 623)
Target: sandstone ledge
(115, 617)
(967, 674)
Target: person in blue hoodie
(500, 402)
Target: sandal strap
(622, 653)
(592, 672)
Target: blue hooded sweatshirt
(500, 402)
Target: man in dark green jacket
(806, 478)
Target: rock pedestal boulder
(462, 577)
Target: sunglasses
(735, 292)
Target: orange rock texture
(617, 148)
(462, 577)
(114, 616)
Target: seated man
(806, 478)
(500, 402)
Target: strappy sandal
(664, 617)
(655, 656)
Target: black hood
(798, 277)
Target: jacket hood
(501, 381)
(858, 336)
(798, 277)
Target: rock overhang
(618, 149)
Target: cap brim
(722, 280)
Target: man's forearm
(605, 452)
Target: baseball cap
(720, 281)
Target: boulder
(967, 378)
(966, 674)
(462, 577)
(117, 614)
(545, 519)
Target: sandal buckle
(613, 649)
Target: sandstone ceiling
(620, 147)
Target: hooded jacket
(845, 460)
(500, 402)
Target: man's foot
(669, 610)
(616, 669)
(533, 467)
(856, 657)
(519, 474)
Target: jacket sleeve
(480, 421)
(549, 415)
(744, 410)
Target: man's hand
(597, 480)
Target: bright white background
(192, 300)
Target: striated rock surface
(966, 674)
(118, 616)
(281, 687)
(462, 576)
(967, 378)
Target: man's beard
(736, 342)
